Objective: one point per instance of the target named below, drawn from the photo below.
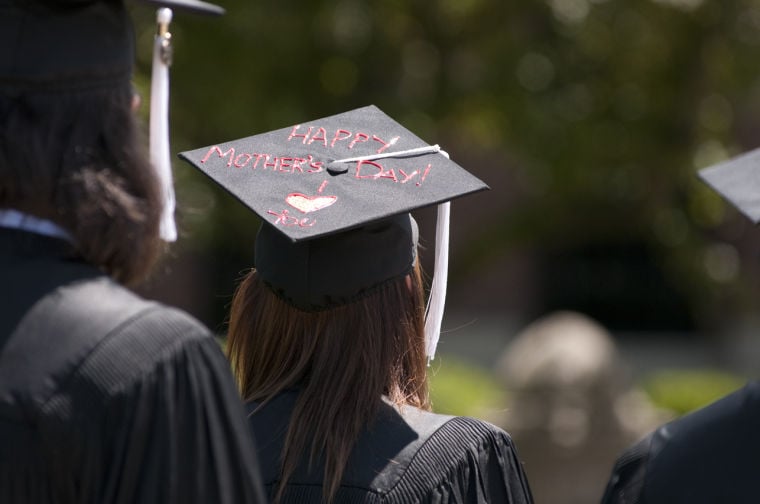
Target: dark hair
(77, 158)
(343, 360)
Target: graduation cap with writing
(71, 45)
(335, 195)
(738, 181)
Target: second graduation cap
(335, 195)
(738, 181)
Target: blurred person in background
(104, 396)
(710, 455)
(328, 335)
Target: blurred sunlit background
(599, 288)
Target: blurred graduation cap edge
(52, 45)
(738, 181)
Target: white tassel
(428, 149)
(159, 123)
(437, 299)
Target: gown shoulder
(107, 397)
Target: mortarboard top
(738, 181)
(289, 177)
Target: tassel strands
(159, 122)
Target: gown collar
(14, 219)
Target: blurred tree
(588, 118)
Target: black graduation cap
(738, 181)
(340, 172)
(71, 44)
(334, 195)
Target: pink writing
(365, 169)
(340, 134)
(285, 219)
(319, 135)
(230, 152)
(373, 170)
(285, 164)
(385, 144)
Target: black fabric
(318, 274)
(403, 457)
(108, 398)
(709, 456)
(64, 45)
(22, 253)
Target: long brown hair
(77, 158)
(343, 360)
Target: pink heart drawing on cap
(307, 204)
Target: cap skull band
(335, 195)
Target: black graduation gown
(108, 398)
(709, 456)
(413, 456)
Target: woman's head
(77, 158)
(311, 309)
(377, 340)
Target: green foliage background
(459, 387)
(687, 390)
(589, 118)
